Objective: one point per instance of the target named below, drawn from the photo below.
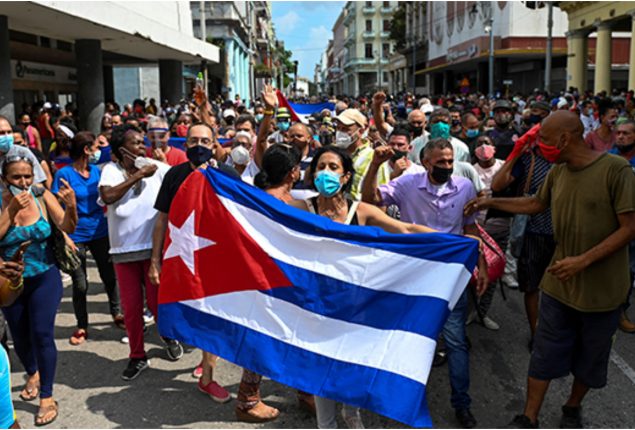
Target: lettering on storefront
(455, 54)
(31, 71)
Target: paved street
(92, 394)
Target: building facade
(606, 61)
(368, 45)
(337, 58)
(415, 49)
(227, 25)
(66, 51)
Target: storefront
(33, 82)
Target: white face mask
(240, 155)
(141, 162)
(17, 190)
(343, 140)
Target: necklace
(335, 212)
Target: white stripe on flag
(400, 352)
(367, 267)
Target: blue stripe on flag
(439, 247)
(308, 109)
(341, 300)
(365, 387)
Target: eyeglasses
(16, 158)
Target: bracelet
(269, 112)
(16, 287)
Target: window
(64, 46)
(385, 50)
(385, 77)
(386, 4)
(369, 4)
(369, 25)
(18, 36)
(369, 50)
(386, 25)
(45, 42)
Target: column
(602, 80)
(171, 80)
(109, 84)
(90, 80)
(6, 86)
(577, 59)
(631, 58)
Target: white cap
(47, 105)
(228, 113)
(427, 108)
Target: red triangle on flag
(235, 262)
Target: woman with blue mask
(91, 232)
(331, 173)
(27, 209)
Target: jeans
(458, 355)
(326, 412)
(99, 248)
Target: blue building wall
(238, 60)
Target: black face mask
(398, 155)
(416, 131)
(533, 120)
(199, 155)
(456, 122)
(625, 149)
(441, 175)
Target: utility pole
(203, 25)
(490, 23)
(414, 63)
(549, 51)
(295, 81)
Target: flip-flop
(33, 391)
(43, 411)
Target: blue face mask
(94, 157)
(259, 117)
(472, 133)
(284, 125)
(327, 183)
(440, 129)
(6, 142)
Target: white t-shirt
(131, 219)
(487, 174)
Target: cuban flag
(300, 112)
(350, 313)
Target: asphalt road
(92, 394)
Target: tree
(398, 26)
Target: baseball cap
(427, 108)
(540, 105)
(502, 104)
(352, 116)
(47, 105)
(229, 112)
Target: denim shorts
(571, 341)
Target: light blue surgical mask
(259, 117)
(327, 183)
(471, 133)
(284, 125)
(6, 142)
(590, 111)
(94, 157)
(17, 190)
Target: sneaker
(148, 318)
(198, 371)
(215, 391)
(173, 348)
(522, 422)
(135, 367)
(490, 324)
(352, 419)
(571, 417)
(510, 281)
(466, 418)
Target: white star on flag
(185, 242)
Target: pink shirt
(595, 141)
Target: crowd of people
(549, 180)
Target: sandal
(42, 412)
(78, 337)
(32, 391)
(119, 321)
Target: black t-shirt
(504, 140)
(173, 180)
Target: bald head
(563, 121)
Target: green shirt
(584, 207)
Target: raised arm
(64, 218)
(113, 194)
(270, 100)
(378, 113)
(370, 191)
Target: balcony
(385, 34)
(351, 36)
(369, 34)
(362, 61)
(369, 10)
(386, 10)
(349, 17)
